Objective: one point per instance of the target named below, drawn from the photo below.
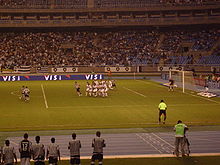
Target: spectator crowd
(19, 4)
(101, 48)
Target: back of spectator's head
(7, 142)
(25, 136)
(37, 138)
(53, 140)
(74, 136)
(98, 133)
(179, 121)
(161, 101)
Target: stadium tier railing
(149, 68)
(109, 22)
(80, 4)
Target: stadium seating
(105, 48)
(72, 4)
(76, 4)
(202, 40)
(125, 3)
(209, 60)
(59, 4)
(21, 4)
(147, 3)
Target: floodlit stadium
(145, 73)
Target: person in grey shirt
(53, 152)
(98, 144)
(8, 154)
(74, 147)
(1, 154)
(38, 152)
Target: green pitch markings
(132, 104)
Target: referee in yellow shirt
(162, 111)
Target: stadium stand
(201, 40)
(77, 4)
(70, 4)
(21, 4)
(43, 4)
(105, 48)
(146, 3)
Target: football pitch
(54, 105)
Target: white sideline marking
(140, 156)
(185, 93)
(112, 106)
(122, 124)
(148, 143)
(157, 155)
(203, 98)
(163, 140)
(45, 99)
(135, 92)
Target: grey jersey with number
(38, 151)
(74, 147)
(53, 150)
(8, 153)
(98, 143)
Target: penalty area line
(45, 99)
(134, 92)
(186, 93)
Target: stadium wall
(92, 17)
(51, 77)
(115, 70)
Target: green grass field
(133, 104)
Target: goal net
(186, 80)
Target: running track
(137, 144)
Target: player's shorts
(25, 161)
(95, 90)
(97, 156)
(87, 89)
(78, 89)
(26, 95)
(53, 160)
(75, 159)
(39, 162)
(171, 86)
(162, 112)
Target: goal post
(186, 80)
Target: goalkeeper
(171, 85)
